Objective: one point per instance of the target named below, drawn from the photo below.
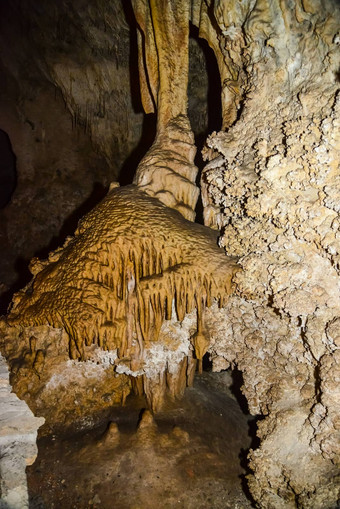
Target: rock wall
(71, 106)
(84, 50)
(18, 449)
(66, 106)
(272, 186)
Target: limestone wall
(273, 188)
(18, 434)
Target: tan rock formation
(132, 266)
(132, 284)
(167, 171)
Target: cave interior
(170, 254)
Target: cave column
(167, 172)
(171, 28)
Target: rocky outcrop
(18, 449)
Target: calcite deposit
(18, 449)
(167, 171)
(272, 186)
(132, 266)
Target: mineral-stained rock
(129, 290)
(167, 171)
(126, 293)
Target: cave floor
(189, 457)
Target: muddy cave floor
(190, 456)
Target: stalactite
(116, 281)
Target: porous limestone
(271, 185)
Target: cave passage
(7, 169)
(204, 91)
(204, 100)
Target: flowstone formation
(167, 172)
(272, 186)
(127, 292)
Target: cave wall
(85, 51)
(66, 105)
(272, 186)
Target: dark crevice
(131, 163)
(8, 175)
(317, 378)
(207, 363)
(129, 167)
(236, 389)
(271, 305)
(203, 81)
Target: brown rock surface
(185, 456)
(272, 186)
(132, 271)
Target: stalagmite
(167, 172)
(139, 295)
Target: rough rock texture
(83, 50)
(18, 449)
(168, 172)
(70, 103)
(132, 265)
(272, 184)
(65, 102)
